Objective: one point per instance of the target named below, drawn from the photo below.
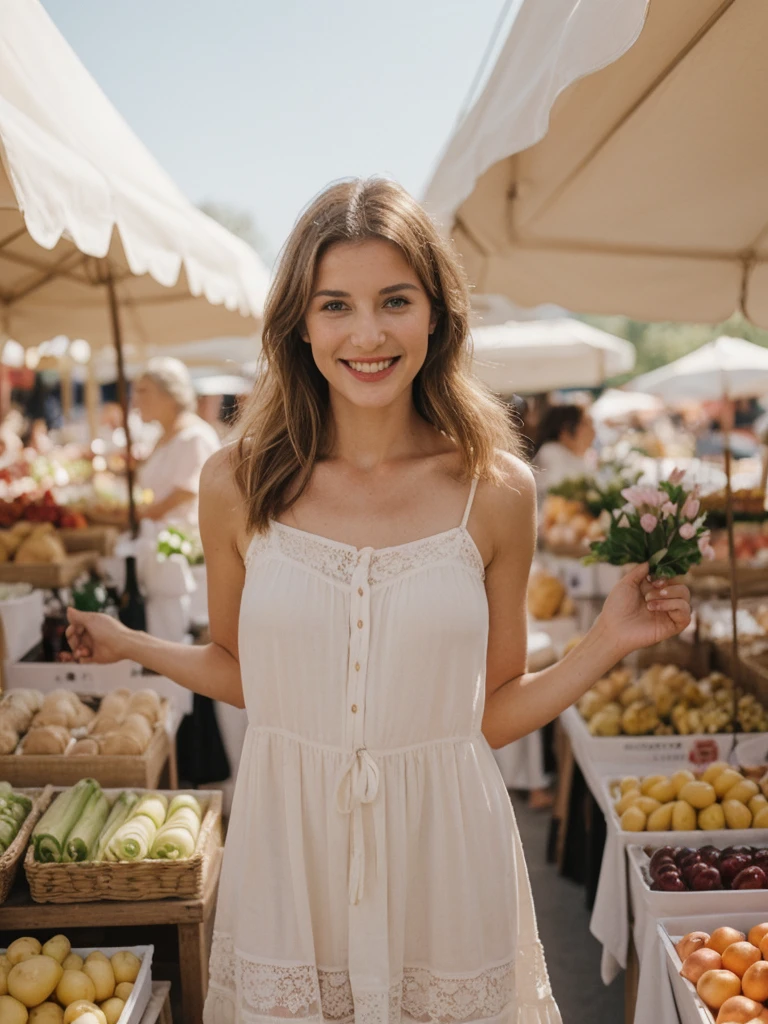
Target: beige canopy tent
(633, 185)
(96, 241)
(543, 355)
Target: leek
(83, 837)
(184, 800)
(177, 838)
(50, 834)
(153, 806)
(121, 808)
(133, 839)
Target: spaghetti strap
(470, 499)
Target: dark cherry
(710, 855)
(731, 866)
(690, 871)
(707, 879)
(760, 859)
(750, 878)
(684, 851)
(671, 883)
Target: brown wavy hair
(286, 425)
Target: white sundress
(373, 870)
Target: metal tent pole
(122, 395)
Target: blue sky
(260, 104)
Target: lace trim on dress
(261, 993)
(338, 561)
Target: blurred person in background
(565, 437)
(164, 394)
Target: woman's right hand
(95, 638)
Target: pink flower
(691, 507)
(644, 496)
(676, 476)
(623, 522)
(687, 531)
(629, 508)
(703, 541)
(709, 553)
(668, 509)
(649, 522)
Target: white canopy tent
(544, 355)
(724, 368)
(615, 161)
(96, 241)
(615, 404)
(86, 211)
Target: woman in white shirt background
(165, 394)
(565, 437)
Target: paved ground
(573, 955)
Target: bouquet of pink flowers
(659, 525)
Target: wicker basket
(86, 882)
(10, 860)
(141, 771)
(101, 539)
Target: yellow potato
(743, 791)
(89, 1017)
(757, 802)
(103, 977)
(647, 804)
(633, 820)
(82, 1006)
(3, 981)
(112, 1009)
(683, 816)
(75, 985)
(626, 801)
(123, 989)
(22, 949)
(664, 791)
(649, 781)
(660, 820)
(760, 820)
(698, 794)
(33, 980)
(680, 778)
(736, 814)
(58, 947)
(126, 966)
(96, 955)
(711, 772)
(46, 1013)
(12, 1011)
(5, 963)
(712, 818)
(628, 783)
(74, 962)
(724, 781)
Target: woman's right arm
(212, 669)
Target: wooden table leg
(193, 961)
(631, 978)
(173, 767)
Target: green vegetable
(154, 806)
(133, 840)
(8, 831)
(121, 808)
(177, 838)
(5, 788)
(49, 837)
(184, 800)
(83, 837)
(19, 807)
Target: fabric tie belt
(358, 785)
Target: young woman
(565, 436)
(368, 544)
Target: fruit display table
(193, 920)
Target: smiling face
(368, 322)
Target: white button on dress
(373, 872)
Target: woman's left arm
(636, 614)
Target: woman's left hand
(642, 613)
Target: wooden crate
(130, 771)
(100, 539)
(710, 579)
(54, 574)
(85, 882)
(13, 856)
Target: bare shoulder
(221, 504)
(217, 480)
(506, 508)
